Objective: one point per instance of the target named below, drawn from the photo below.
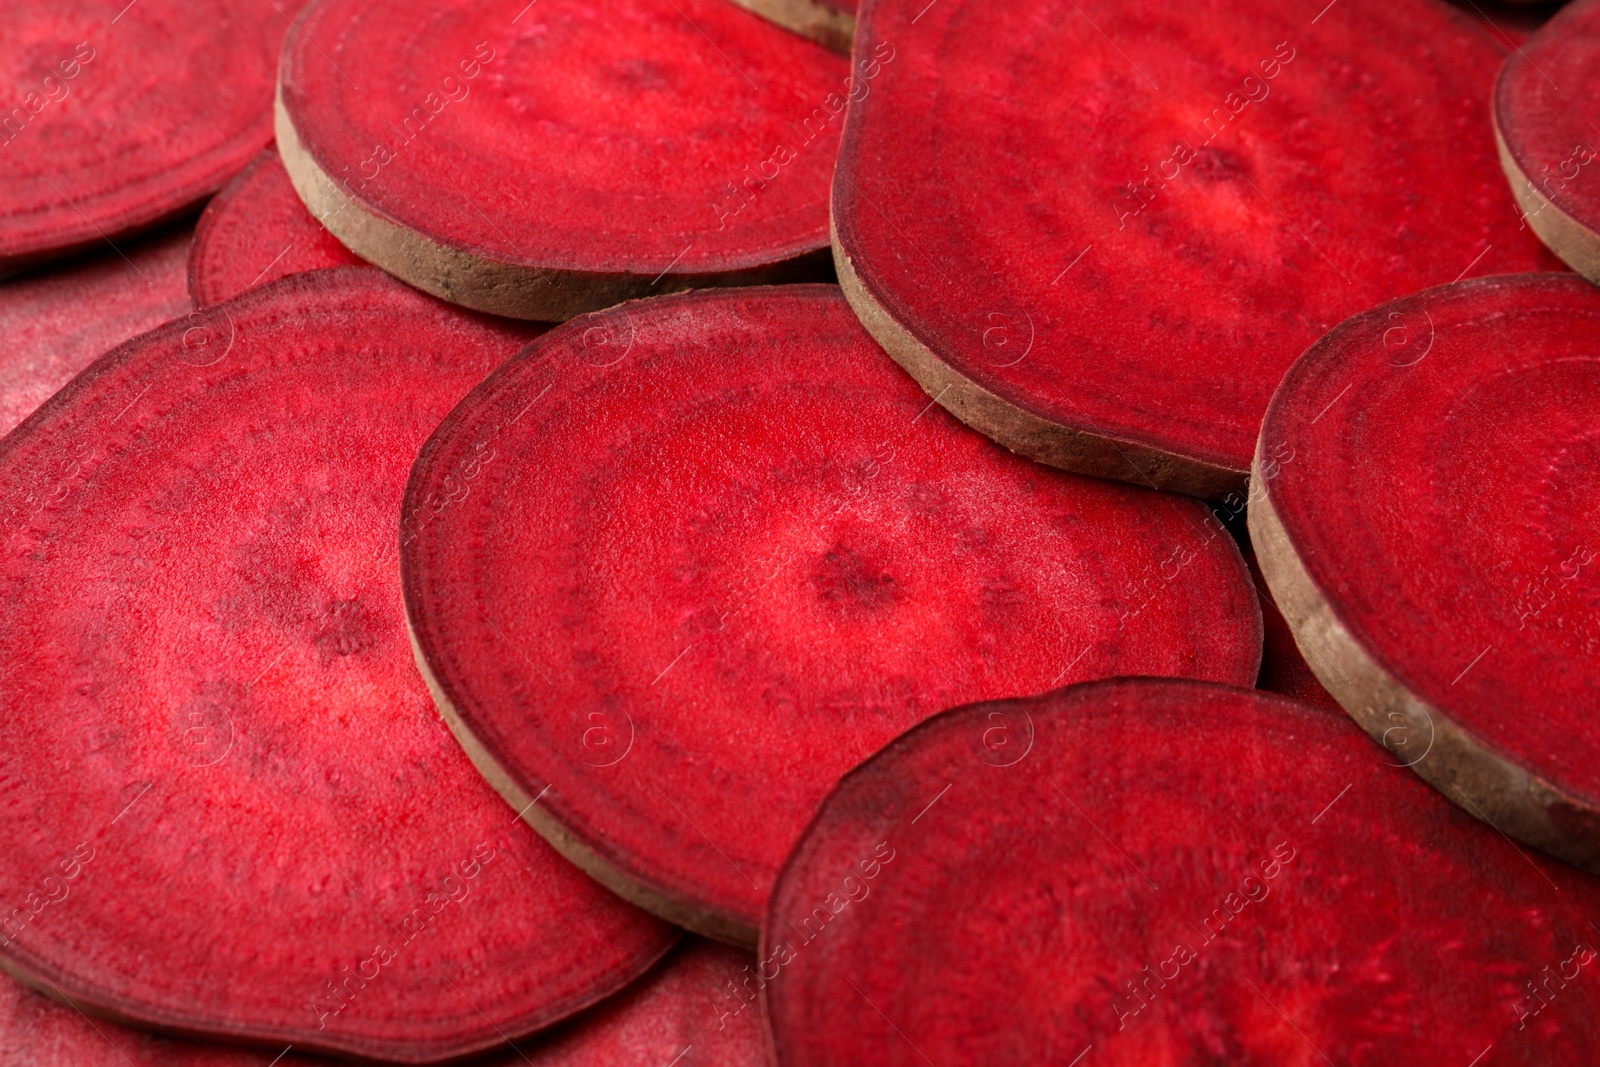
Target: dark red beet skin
(681, 564)
(701, 997)
(542, 160)
(1283, 666)
(55, 323)
(118, 115)
(1101, 232)
(1547, 125)
(1173, 873)
(228, 807)
(256, 231)
(1432, 540)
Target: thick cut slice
(256, 231)
(1435, 542)
(831, 23)
(569, 157)
(229, 808)
(1173, 873)
(119, 115)
(1547, 125)
(1225, 183)
(52, 325)
(682, 563)
(702, 996)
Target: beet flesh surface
(566, 159)
(1175, 873)
(1547, 123)
(685, 1001)
(55, 323)
(121, 115)
(682, 563)
(1007, 142)
(1435, 539)
(256, 231)
(204, 684)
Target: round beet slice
(53, 324)
(701, 997)
(256, 231)
(546, 162)
(1225, 183)
(831, 23)
(1434, 545)
(1547, 126)
(1177, 873)
(229, 808)
(682, 563)
(119, 115)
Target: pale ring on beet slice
(1175, 873)
(229, 807)
(679, 565)
(256, 231)
(1547, 126)
(1100, 232)
(54, 323)
(831, 23)
(552, 160)
(119, 115)
(701, 997)
(1427, 514)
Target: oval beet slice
(1174, 872)
(1215, 201)
(1545, 125)
(701, 997)
(229, 808)
(53, 324)
(831, 23)
(1430, 534)
(120, 115)
(682, 563)
(555, 160)
(256, 231)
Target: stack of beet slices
(1225, 185)
(229, 808)
(618, 149)
(1112, 895)
(1458, 431)
(95, 141)
(680, 565)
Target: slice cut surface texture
(568, 158)
(1227, 184)
(682, 563)
(1175, 872)
(55, 323)
(229, 808)
(1547, 126)
(1433, 543)
(831, 23)
(256, 231)
(121, 115)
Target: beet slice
(682, 563)
(1548, 130)
(55, 323)
(229, 808)
(1433, 541)
(701, 997)
(831, 23)
(120, 115)
(1175, 873)
(567, 158)
(256, 231)
(1137, 331)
